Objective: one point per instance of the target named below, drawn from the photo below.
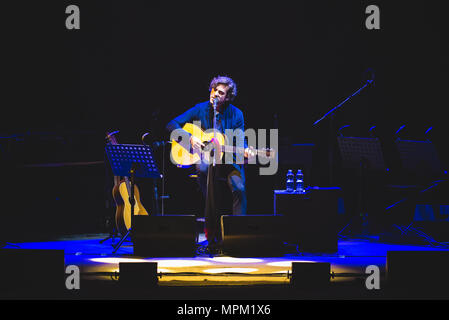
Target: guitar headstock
(269, 153)
(264, 152)
(110, 137)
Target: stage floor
(98, 264)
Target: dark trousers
(209, 178)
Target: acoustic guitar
(183, 157)
(121, 193)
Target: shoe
(215, 248)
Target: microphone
(426, 134)
(371, 75)
(372, 130)
(397, 132)
(154, 144)
(215, 101)
(339, 130)
(157, 144)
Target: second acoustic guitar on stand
(121, 194)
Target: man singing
(223, 91)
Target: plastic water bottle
(299, 182)
(290, 185)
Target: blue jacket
(232, 118)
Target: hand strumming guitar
(196, 143)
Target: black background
(134, 65)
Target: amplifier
(311, 218)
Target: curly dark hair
(232, 92)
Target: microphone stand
(214, 127)
(210, 219)
(330, 114)
(157, 144)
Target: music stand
(419, 159)
(131, 160)
(365, 155)
(421, 165)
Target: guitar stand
(131, 161)
(111, 235)
(132, 202)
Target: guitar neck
(232, 149)
(128, 185)
(235, 149)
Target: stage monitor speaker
(138, 275)
(253, 235)
(310, 274)
(32, 273)
(422, 272)
(311, 218)
(164, 236)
